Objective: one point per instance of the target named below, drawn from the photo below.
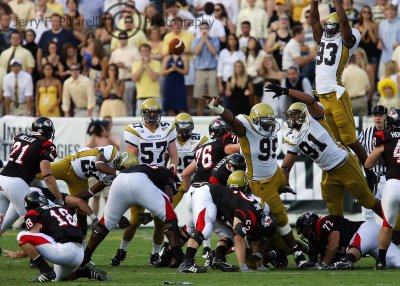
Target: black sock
(350, 257)
(88, 256)
(190, 253)
(382, 255)
(221, 251)
(42, 264)
(177, 252)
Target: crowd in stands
(105, 57)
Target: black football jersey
(330, 223)
(232, 203)
(208, 155)
(160, 176)
(391, 152)
(26, 155)
(220, 173)
(56, 222)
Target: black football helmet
(393, 119)
(34, 200)
(218, 127)
(306, 226)
(235, 162)
(43, 126)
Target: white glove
(217, 109)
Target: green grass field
(135, 271)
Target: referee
(379, 113)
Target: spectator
(19, 52)
(221, 15)
(239, 90)
(24, 9)
(280, 9)
(77, 23)
(231, 7)
(5, 32)
(78, 97)
(31, 46)
(153, 18)
(69, 57)
(297, 7)
(136, 37)
(389, 35)
(177, 32)
(18, 90)
(205, 64)
(124, 57)
(54, 59)
(293, 50)
(173, 11)
(244, 35)
(253, 59)
(362, 62)
(357, 84)
(308, 33)
(39, 25)
(294, 80)
(104, 32)
(55, 6)
(90, 37)
(323, 8)
(48, 93)
(94, 61)
(129, 10)
(145, 74)
(389, 93)
(369, 39)
(270, 73)
(278, 39)
(155, 43)
(378, 11)
(106, 137)
(112, 89)
(352, 14)
(174, 68)
(392, 72)
(258, 19)
(56, 34)
(41, 6)
(2, 75)
(227, 57)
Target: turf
(135, 271)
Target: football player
(310, 135)
(387, 144)
(336, 238)
(186, 143)
(149, 140)
(258, 142)
(153, 189)
(30, 154)
(227, 166)
(53, 234)
(75, 170)
(228, 212)
(337, 43)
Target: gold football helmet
(238, 181)
(331, 26)
(262, 115)
(296, 115)
(126, 160)
(151, 111)
(184, 126)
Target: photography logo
(118, 11)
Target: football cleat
(303, 263)
(97, 273)
(119, 257)
(190, 267)
(44, 277)
(342, 264)
(154, 258)
(380, 265)
(221, 264)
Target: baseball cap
(15, 62)
(282, 2)
(379, 109)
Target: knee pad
(228, 242)
(183, 234)
(198, 237)
(241, 229)
(171, 225)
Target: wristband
(117, 172)
(217, 109)
(92, 216)
(45, 176)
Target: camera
(97, 127)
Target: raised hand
(277, 89)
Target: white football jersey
(331, 58)
(186, 150)
(259, 151)
(84, 162)
(316, 143)
(152, 145)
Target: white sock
(207, 243)
(84, 243)
(156, 248)
(124, 245)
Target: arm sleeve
(31, 217)
(379, 138)
(48, 151)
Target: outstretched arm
(312, 105)
(345, 28)
(226, 114)
(316, 22)
(373, 158)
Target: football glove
(277, 89)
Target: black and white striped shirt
(365, 139)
